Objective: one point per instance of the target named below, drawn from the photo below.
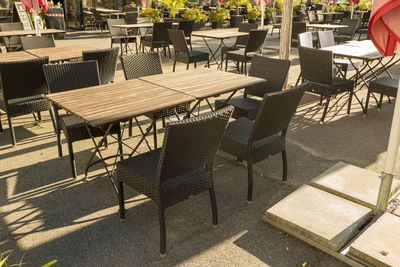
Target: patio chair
(255, 44)
(256, 140)
(276, 23)
(71, 76)
(241, 41)
(312, 18)
(181, 168)
(297, 28)
(182, 53)
(383, 86)
(23, 86)
(131, 17)
(159, 38)
(317, 68)
(326, 38)
(35, 42)
(187, 27)
(141, 65)
(320, 16)
(121, 36)
(100, 22)
(106, 61)
(274, 71)
(12, 43)
(346, 34)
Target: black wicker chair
(181, 168)
(317, 68)
(254, 141)
(326, 38)
(274, 71)
(70, 76)
(187, 27)
(297, 28)
(131, 17)
(159, 38)
(383, 86)
(255, 45)
(35, 42)
(99, 21)
(346, 34)
(141, 65)
(12, 43)
(276, 23)
(121, 36)
(106, 61)
(23, 86)
(241, 41)
(182, 53)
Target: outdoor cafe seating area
(143, 141)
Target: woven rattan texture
(34, 42)
(106, 62)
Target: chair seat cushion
(194, 56)
(238, 55)
(342, 85)
(24, 105)
(123, 39)
(342, 38)
(244, 106)
(385, 86)
(225, 49)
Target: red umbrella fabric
(258, 2)
(29, 4)
(384, 25)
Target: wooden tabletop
(28, 32)
(203, 83)
(15, 56)
(364, 50)
(57, 54)
(326, 26)
(219, 34)
(116, 102)
(138, 25)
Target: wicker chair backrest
(71, 76)
(34, 42)
(297, 28)
(131, 17)
(141, 65)
(311, 16)
(23, 78)
(186, 26)
(190, 146)
(275, 18)
(116, 31)
(245, 27)
(178, 40)
(256, 40)
(316, 65)
(305, 39)
(13, 26)
(326, 38)
(273, 70)
(275, 112)
(106, 61)
(160, 33)
(351, 28)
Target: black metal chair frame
(121, 36)
(159, 38)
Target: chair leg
(195, 65)
(120, 145)
(349, 105)
(1, 126)
(328, 98)
(250, 181)
(380, 101)
(187, 66)
(163, 234)
(72, 159)
(245, 68)
(169, 52)
(213, 206)
(226, 63)
(53, 120)
(12, 135)
(130, 128)
(320, 100)
(121, 201)
(284, 164)
(39, 116)
(137, 51)
(367, 102)
(173, 68)
(59, 146)
(155, 133)
(163, 122)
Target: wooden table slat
(15, 56)
(56, 54)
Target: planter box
(217, 25)
(55, 20)
(198, 26)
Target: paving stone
(379, 244)
(318, 215)
(353, 183)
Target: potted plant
(218, 16)
(174, 6)
(54, 18)
(199, 16)
(236, 19)
(253, 13)
(152, 13)
(268, 15)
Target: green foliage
(49, 263)
(152, 13)
(330, 8)
(52, 5)
(132, 4)
(253, 12)
(342, 7)
(364, 4)
(280, 9)
(218, 14)
(197, 14)
(269, 11)
(174, 6)
(235, 4)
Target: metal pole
(262, 13)
(393, 146)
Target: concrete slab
(352, 183)
(320, 216)
(379, 244)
